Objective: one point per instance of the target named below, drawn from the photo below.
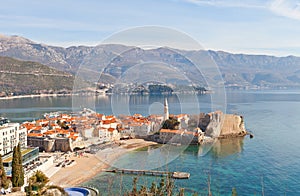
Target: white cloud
(287, 8)
(50, 23)
(230, 3)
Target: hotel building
(10, 135)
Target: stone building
(181, 136)
(47, 144)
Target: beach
(89, 165)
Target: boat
(181, 175)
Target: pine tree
(4, 182)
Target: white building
(140, 129)
(166, 110)
(104, 136)
(10, 135)
(114, 134)
(184, 121)
(88, 132)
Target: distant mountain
(167, 65)
(27, 77)
(259, 70)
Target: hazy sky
(245, 26)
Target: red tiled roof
(34, 135)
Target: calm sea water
(269, 162)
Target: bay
(268, 162)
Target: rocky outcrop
(233, 126)
(215, 125)
(222, 125)
(213, 129)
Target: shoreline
(33, 96)
(91, 165)
(93, 93)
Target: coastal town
(149, 98)
(64, 142)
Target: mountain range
(113, 63)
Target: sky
(239, 26)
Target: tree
(153, 188)
(14, 170)
(159, 89)
(161, 188)
(181, 192)
(165, 188)
(234, 193)
(38, 186)
(171, 123)
(17, 168)
(134, 188)
(4, 182)
(37, 182)
(64, 126)
(200, 90)
(143, 190)
(28, 189)
(39, 177)
(170, 185)
(20, 164)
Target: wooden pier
(176, 175)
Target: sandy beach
(89, 165)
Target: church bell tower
(166, 110)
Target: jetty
(175, 175)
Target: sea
(268, 164)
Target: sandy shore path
(89, 165)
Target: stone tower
(166, 110)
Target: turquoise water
(270, 161)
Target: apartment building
(10, 135)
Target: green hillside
(26, 77)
